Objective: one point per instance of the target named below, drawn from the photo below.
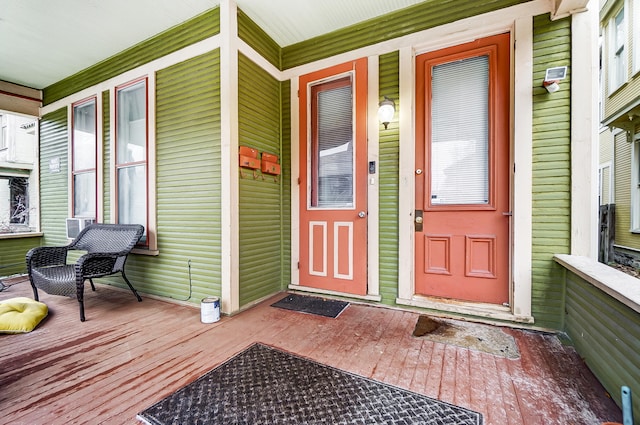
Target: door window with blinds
(332, 150)
(460, 132)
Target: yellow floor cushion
(21, 314)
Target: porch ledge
(619, 285)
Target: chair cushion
(21, 314)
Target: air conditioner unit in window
(76, 224)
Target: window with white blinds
(460, 132)
(333, 156)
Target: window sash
(131, 154)
(84, 147)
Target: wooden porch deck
(129, 355)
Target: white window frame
(608, 168)
(618, 52)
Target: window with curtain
(131, 154)
(332, 159)
(618, 51)
(460, 132)
(83, 153)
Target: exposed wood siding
(255, 37)
(425, 15)
(54, 186)
(261, 211)
(187, 183)
(197, 29)
(551, 171)
(389, 151)
(606, 333)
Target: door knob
(418, 220)
(362, 214)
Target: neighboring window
(3, 131)
(605, 183)
(131, 155)
(14, 204)
(332, 158)
(83, 153)
(635, 30)
(618, 55)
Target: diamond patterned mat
(263, 385)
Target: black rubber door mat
(263, 385)
(311, 305)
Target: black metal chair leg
(131, 287)
(92, 285)
(82, 319)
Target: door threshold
(376, 298)
(482, 310)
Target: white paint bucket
(210, 310)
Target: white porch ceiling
(42, 42)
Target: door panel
(333, 178)
(463, 171)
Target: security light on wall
(552, 78)
(386, 111)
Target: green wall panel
(13, 252)
(54, 186)
(551, 183)
(187, 184)
(255, 37)
(285, 90)
(199, 28)
(389, 169)
(429, 14)
(261, 206)
(606, 333)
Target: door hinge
(298, 265)
(299, 181)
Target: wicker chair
(106, 246)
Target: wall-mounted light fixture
(386, 111)
(552, 78)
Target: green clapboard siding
(389, 160)
(551, 171)
(261, 212)
(187, 184)
(255, 37)
(606, 333)
(285, 90)
(54, 201)
(13, 252)
(623, 188)
(199, 28)
(429, 14)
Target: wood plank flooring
(129, 355)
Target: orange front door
(462, 172)
(333, 178)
